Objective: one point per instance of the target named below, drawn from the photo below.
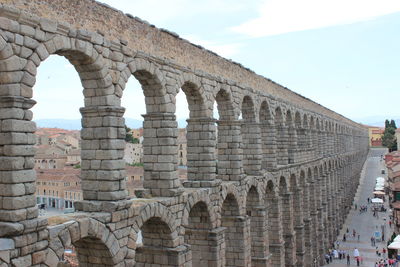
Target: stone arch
(153, 85)
(257, 214)
(225, 104)
(200, 131)
(193, 199)
(299, 212)
(231, 189)
(90, 65)
(94, 242)
(308, 131)
(153, 210)
(283, 184)
(281, 137)
(160, 111)
(236, 239)
(265, 115)
(198, 223)
(98, 92)
(275, 232)
(195, 95)
(292, 136)
(247, 108)
(268, 137)
(228, 168)
(197, 232)
(300, 130)
(251, 138)
(158, 228)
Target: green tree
(389, 138)
(393, 124)
(387, 124)
(129, 137)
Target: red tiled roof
(59, 175)
(396, 205)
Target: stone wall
(284, 176)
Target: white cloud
(223, 49)
(284, 16)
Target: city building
(58, 188)
(137, 133)
(182, 147)
(133, 153)
(392, 161)
(375, 136)
(57, 148)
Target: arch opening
(197, 235)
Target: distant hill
(75, 124)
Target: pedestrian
(358, 237)
(390, 223)
(347, 230)
(327, 258)
(348, 259)
(356, 253)
(344, 237)
(355, 206)
(354, 233)
(372, 241)
(358, 261)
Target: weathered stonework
(275, 195)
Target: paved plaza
(365, 223)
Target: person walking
(358, 237)
(327, 258)
(348, 259)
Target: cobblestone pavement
(365, 223)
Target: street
(365, 224)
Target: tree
(129, 137)
(387, 124)
(128, 134)
(389, 138)
(393, 124)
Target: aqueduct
(275, 194)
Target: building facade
(276, 193)
(375, 136)
(58, 188)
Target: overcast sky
(343, 54)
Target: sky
(342, 54)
